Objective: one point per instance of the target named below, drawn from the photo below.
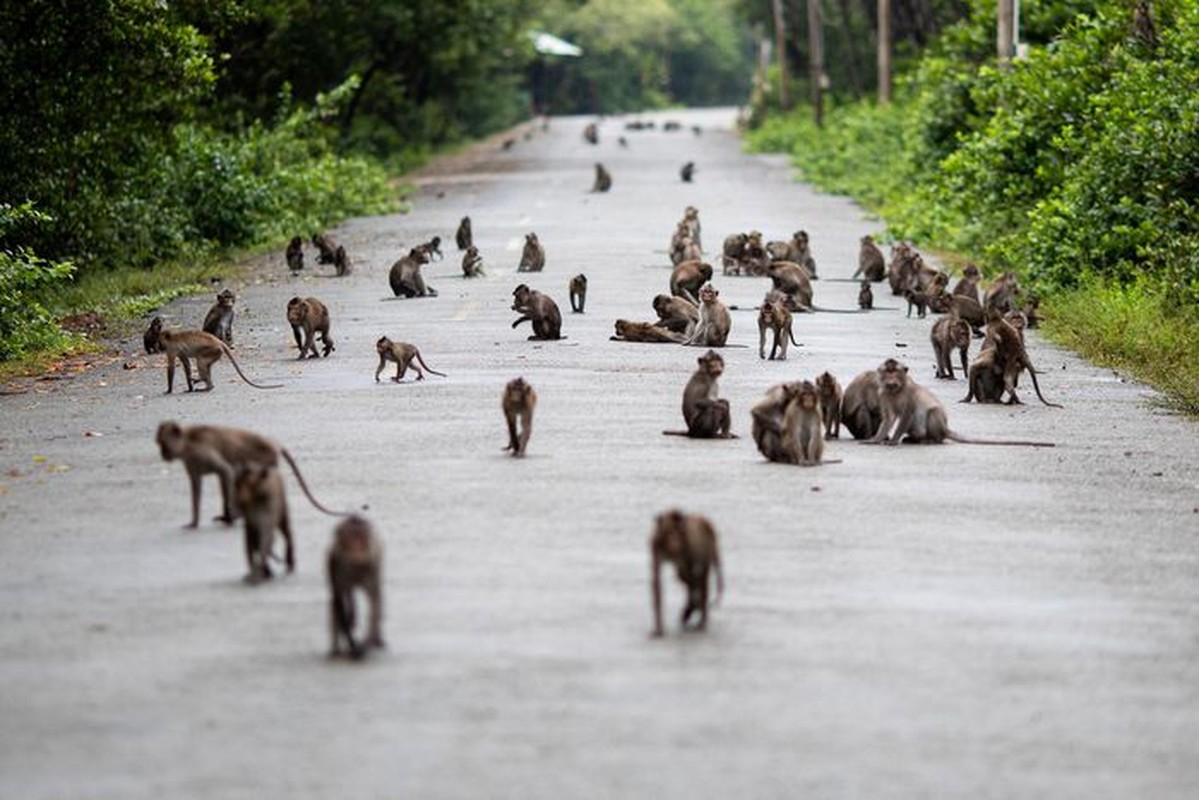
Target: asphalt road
(920, 621)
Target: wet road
(950, 621)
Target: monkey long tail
(304, 485)
(237, 367)
(427, 367)
(1005, 442)
(1041, 397)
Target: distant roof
(551, 45)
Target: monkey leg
(374, 636)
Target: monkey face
(892, 376)
(711, 363)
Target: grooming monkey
(861, 406)
(532, 256)
(330, 252)
(219, 319)
(258, 493)
(221, 450)
(714, 324)
(767, 427)
(578, 293)
(687, 277)
(404, 355)
(540, 310)
(308, 317)
(1010, 357)
(676, 314)
(705, 412)
(354, 562)
(689, 542)
(518, 400)
(793, 282)
(912, 413)
(205, 349)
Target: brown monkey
(472, 263)
(967, 286)
(830, 404)
(404, 355)
(794, 282)
(150, 337)
(308, 317)
(871, 265)
(985, 376)
(219, 319)
(768, 423)
(258, 493)
(603, 179)
(689, 542)
(591, 133)
(861, 408)
(676, 314)
(682, 246)
(734, 247)
(1018, 320)
(432, 248)
(687, 278)
(912, 413)
(205, 349)
(518, 399)
(295, 254)
(354, 561)
(687, 172)
(754, 258)
(775, 315)
(1031, 309)
(1011, 356)
(326, 248)
(532, 257)
(901, 272)
(578, 293)
(801, 253)
(220, 450)
(1142, 24)
(1002, 292)
(969, 310)
(803, 426)
(865, 296)
(714, 324)
(948, 333)
(629, 331)
(405, 277)
(917, 299)
(705, 412)
(939, 300)
(540, 310)
(341, 262)
(463, 238)
(691, 218)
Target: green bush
(26, 325)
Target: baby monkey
(354, 561)
(518, 399)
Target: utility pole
(816, 59)
(1005, 45)
(884, 52)
(780, 42)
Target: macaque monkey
(830, 404)
(732, 250)
(463, 238)
(1002, 292)
(767, 427)
(775, 316)
(901, 272)
(404, 355)
(540, 310)
(754, 258)
(985, 377)
(705, 412)
(326, 248)
(939, 300)
(603, 179)
(714, 324)
(687, 172)
(912, 413)
(405, 277)
(532, 256)
(969, 310)
(518, 400)
(1031, 308)
(682, 247)
(433, 249)
(472, 263)
(691, 218)
(258, 492)
(629, 331)
(150, 337)
(1017, 320)
(1142, 24)
(308, 317)
(219, 319)
(871, 265)
(676, 314)
(205, 349)
(794, 282)
(220, 450)
(967, 285)
(803, 426)
(578, 293)
(689, 542)
(354, 561)
(341, 262)
(687, 277)
(917, 299)
(295, 254)
(861, 407)
(801, 253)
(1010, 356)
(949, 333)
(866, 296)
(591, 133)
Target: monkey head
(520, 296)
(809, 398)
(170, 440)
(297, 309)
(383, 345)
(711, 363)
(800, 237)
(352, 537)
(971, 271)
(669, 536)
(708, 293)
(892, 376)
(826, 383)
(867, 240)
(225, 298)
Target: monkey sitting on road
(463, 237)
(472, 263)
(629, 331)
(714, 324)
(354, 562)
(518, 400)
(871, 265)
(295, 254)
(676, 314)
(150, 337)
(705, 412)
(405, 278)
(603, 179)
(404, 355)
(866, 296)
(308, 317)
(330, 253)
(539, 310)
(687, 172)
(689, 542)
(532, 256)
(219, 319)
(258, 492)
(788, 424)
(861, 408)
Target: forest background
(146, 141)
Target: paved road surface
(951, 621)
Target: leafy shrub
(26, 324)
